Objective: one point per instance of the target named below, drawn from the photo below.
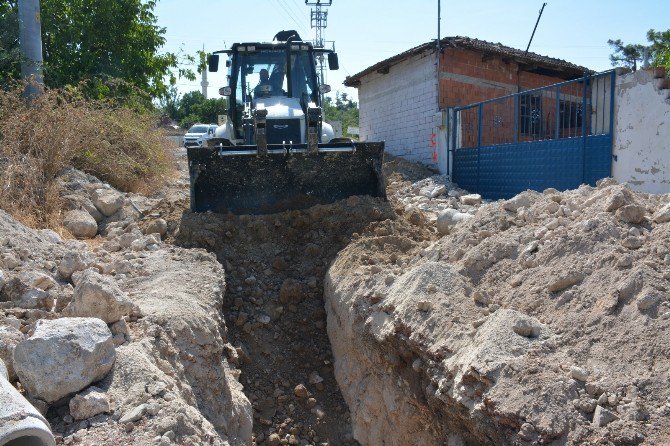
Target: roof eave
(558, 70)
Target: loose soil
(273, 303)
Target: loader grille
(283, 130)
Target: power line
(288, 14)
(292, 7)
(296, 12)
(280, 9)
(300, 23)
(298, 6)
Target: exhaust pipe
(20, 423)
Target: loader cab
(292, 74)
(289, 77)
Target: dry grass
(39, 139)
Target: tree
(95, 41)
(10, 56)
(625, 55)
(192, 107)
(188, 103)
(658, 51)
(343, 109)
(660, 47)
(210, 109)
(169, 103)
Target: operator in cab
(264, 88)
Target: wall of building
(400, 107)
(642, 132)
(467, 76)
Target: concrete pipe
(20, 423)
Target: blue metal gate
(557, 136)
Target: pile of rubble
(447, 319)
(438, 201)
(119, 340)
(539, 320)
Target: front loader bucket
(238, 180)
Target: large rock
(449, 218)
(80, 224)
(89, 403)
(23, 295)
(663, 214)
(99, 296)
(37, 279)
(64, 356)
(433, 190)
(618, 198)
(91, 209)
(631, 213)
(76, 201)
(107, 201)
(72, 262)
(602, 417)
(471, 199)
(9, 338)
(523, 200)
(126, 240)
(158, 226)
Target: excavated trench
(274, 310)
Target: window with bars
(570, 114)
(530, 114)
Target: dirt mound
(540, 320)
(170, 382)
(274, 309)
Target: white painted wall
(400, 108)
(641, 133)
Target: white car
(198, 135)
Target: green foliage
(343, 109)
(193, 108)
(10, 56)
(188, 120)
(660, 47)
(169, 103)
(625, 55)
(210, 109)
(629, 55)
(188, 103)
(97, 43)
(114, 92)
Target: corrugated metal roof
(561, 66)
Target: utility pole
(439, 50)
(439, 19)
(30, 42)
(319, 21)
(203, 83)
(536, 23)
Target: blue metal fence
(557, 136)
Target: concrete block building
(401, 98)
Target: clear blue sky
(367, 31)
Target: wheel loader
(274, 152)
